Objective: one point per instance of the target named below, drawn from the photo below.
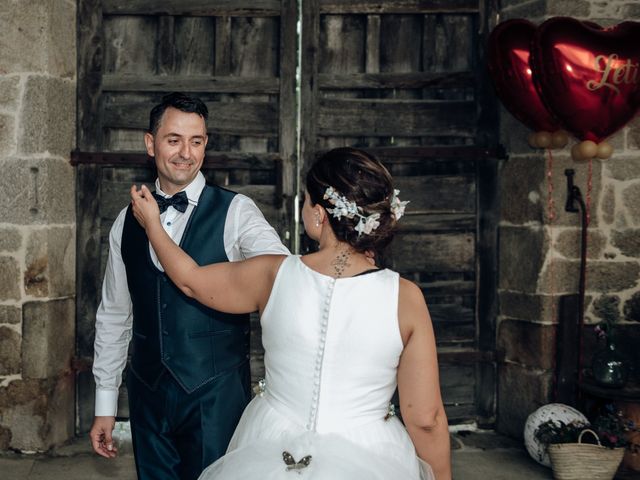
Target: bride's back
(332, 346)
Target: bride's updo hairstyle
(361, 178)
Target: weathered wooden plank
(348, 117)
(193, 7)
(287, 126)
(457, 383)
(130, 47)
(448, 43)
(223, 46)
(396, 80)
(448, 287)
(224, 117)
(90, 51)
(213, 160)
(342, 44)
(398, 6)
(398, 52)
(438, 252)
(166, 54)
(195, 46)
(310, 45)
(438, 193)
(373, 45)
(195, 83)
(437, 222)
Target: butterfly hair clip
(292, 464)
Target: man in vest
(189, 378)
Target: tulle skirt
(268, 445)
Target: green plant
(610, 425)
(559, 432)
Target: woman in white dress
(339, 337)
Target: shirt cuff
(106, 403)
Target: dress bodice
(332, 346)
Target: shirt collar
(193, 190)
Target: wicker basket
(582, 461)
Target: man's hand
(101, 439)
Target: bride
(339, 337)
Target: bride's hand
(144, 206)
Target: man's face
(178, 148)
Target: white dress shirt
(246, 234)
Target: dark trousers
(176, 435)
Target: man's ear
(148, 142)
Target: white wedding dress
(331, 356)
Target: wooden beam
(233, 118)
(397, 80)
(241, 8)
(216, 160)
(387, 117)
(189, 83)
(398, 6)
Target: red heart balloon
(508, 57)
(588, 76)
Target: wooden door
(240, 58)
(406, 80)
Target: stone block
(48, 338)
(43, 28)
(39, 414)
(9, 351)
(9, 92)
(631, 201)
(559, 276)
(568, 243)
(581, 180)
(526, 306)
(522, 252)
(608, 205)
(631, 11)
(522, 190)
(50, 262)
(526, 343)
(532, 10)
(9, 279)
(514, 136)
(10, 314)
(631, 309)
(624, 168)
(521, 391)
(569, 8)
(48, 116)
(628, 241)
(10, 239)
(603, 276)
(7, 133)
(37, 191)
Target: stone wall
(539, 255)
(37, 222)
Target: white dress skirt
(332, 348)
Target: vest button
(165, 332)
(164, 305)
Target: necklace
(341, 262)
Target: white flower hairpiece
(397, 206)
(349, 209)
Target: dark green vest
(170, 330)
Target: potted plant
(578, 451)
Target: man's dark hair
(182, 102)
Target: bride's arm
(233, 287)
(418, 383)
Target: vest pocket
(209, 333)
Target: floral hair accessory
(397, 206)
(348, 209)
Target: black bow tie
(179, 201)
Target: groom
(189, 377)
